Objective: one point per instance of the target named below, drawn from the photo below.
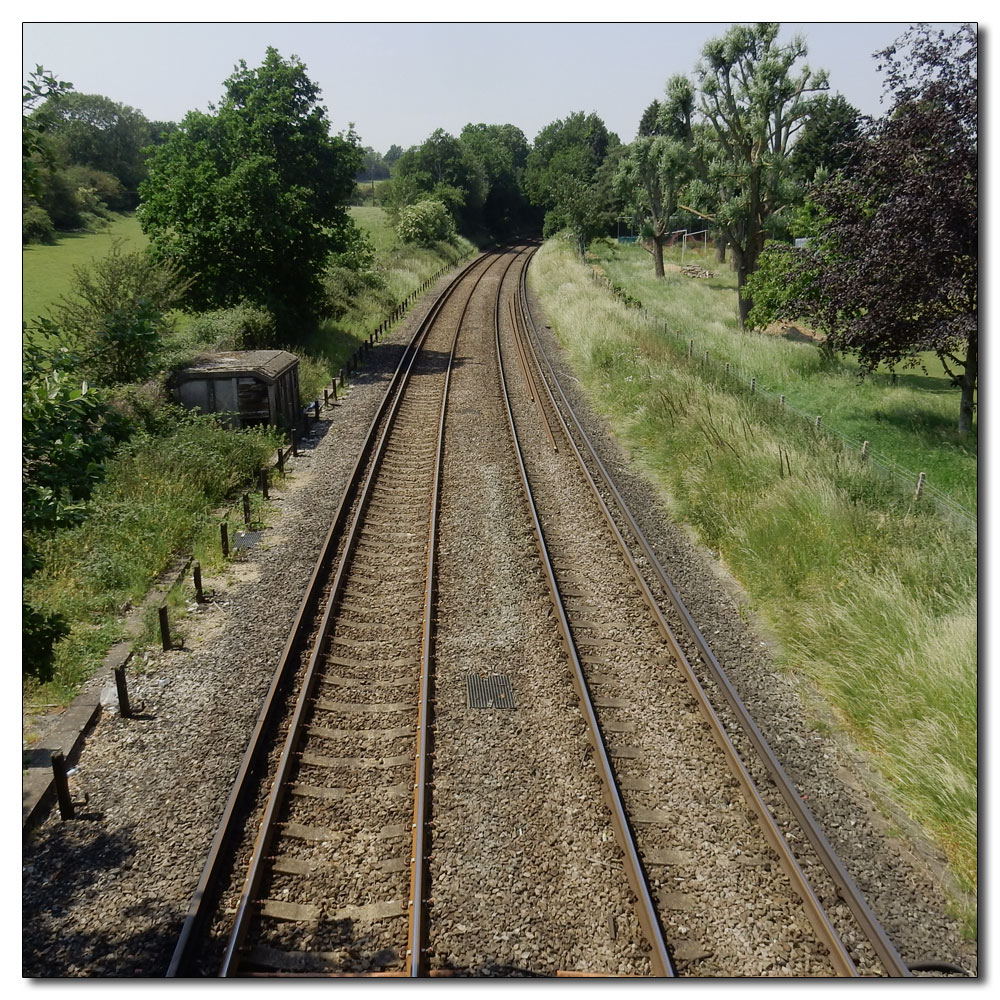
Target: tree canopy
(250, 200)
(894, 269)
(754, 96)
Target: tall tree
(753, 99)
(564, 175)
(251, 200)
(901, 253)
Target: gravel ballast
(105, 895)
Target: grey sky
(397, 82)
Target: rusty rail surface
(254, 759)
(847, 889)
(660, 959)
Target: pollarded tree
(250, 200)
(654, 170)
(753, 100)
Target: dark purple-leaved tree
(899, 257)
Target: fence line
(903, 477)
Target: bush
(425, 223)
(107, 189)
(241, 328)
(117, 316)
(36, 226)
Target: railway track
(474, 579)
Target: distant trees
(250, 201)
(569, 172)
(499, 153)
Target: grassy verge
(157, 499)
(912, 423)
(869, 594)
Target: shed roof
(269, 365)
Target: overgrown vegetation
(870, 595)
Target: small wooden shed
(255, 387)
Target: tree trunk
(720, 249)
(741, 266)
(658, 242)
(970, 378)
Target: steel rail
(846, 887)
(660, 959)
(230, 828)
(242, 920)
(416, 953)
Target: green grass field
(47, 271)
(868, 594)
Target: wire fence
(905, 480)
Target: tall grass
(869, 593)
(910, 420)
(156, 500)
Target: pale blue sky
(397, 82)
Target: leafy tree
(752, 101)
(250, 201)
(499, 152)
(43, 89)
(826, 139)
(901, 253)
(393, 153)
(97, 132)
(569, 173)
(649, 124)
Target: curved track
(435, 655)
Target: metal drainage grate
(245, 540)
(489, 691)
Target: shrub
(117, 316)
(240, 328)
(425, 223)
(36, 226)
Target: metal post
(818, 423)
(224, 529)
(753, 385)
(199, 593)
(62, 785)
(864, 450)
(921, 479)
(164, 628)
(124, 708)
